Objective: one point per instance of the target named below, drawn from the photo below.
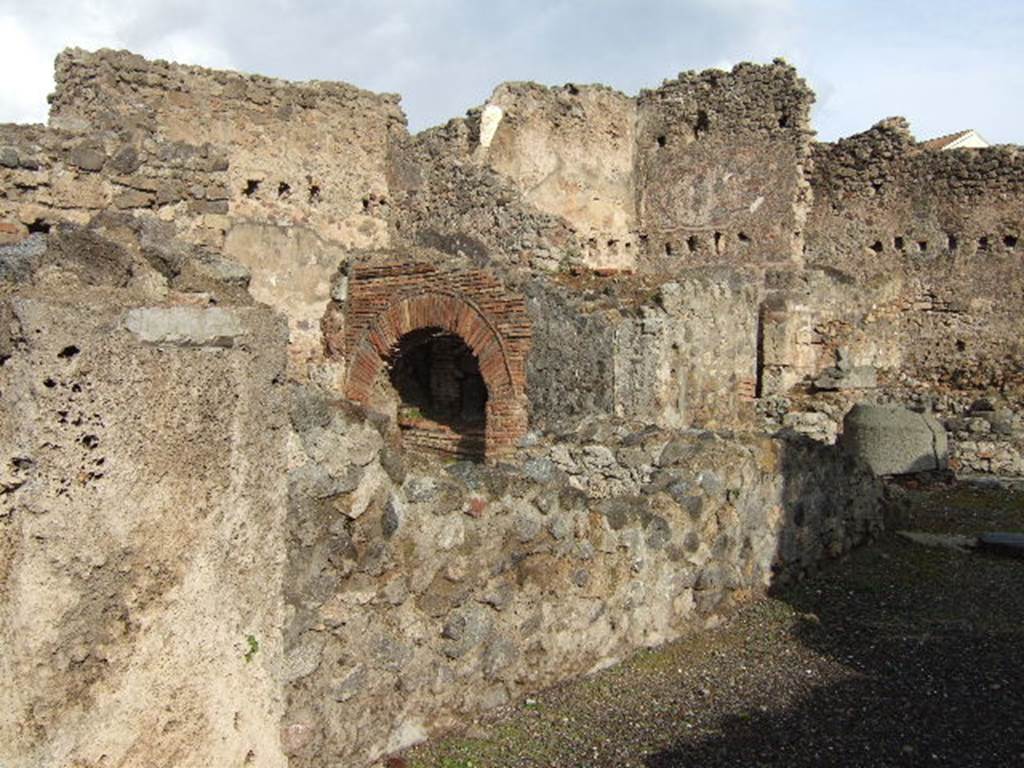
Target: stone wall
(422, 596)
(142, 499)
(570, 152)
(444, 199)
(676, 353)
(987, 439)
(707, 169)
(720, 167)
(690, 358)
(52, 176)
(912, 290)
(935, 236)
(237, 163)
(283, 165)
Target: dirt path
(901, 655)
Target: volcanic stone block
(894, 440)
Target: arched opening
(397, 351)
(439, 394)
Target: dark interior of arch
(442, 396)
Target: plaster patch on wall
(489, 121)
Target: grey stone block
(895, 441)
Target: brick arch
(491, 323)
(432, 310)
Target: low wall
(422, 595)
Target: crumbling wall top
(105, 87)
(749, 98)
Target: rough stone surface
(184, 326)
(894, 440)
(141, 511)
(453, 594)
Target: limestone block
(184, 326)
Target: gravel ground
(899, 655)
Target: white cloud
(27, 79)
(191, 47)
(445, 56)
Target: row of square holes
(719, 240)
(899, 244)
(284, 190)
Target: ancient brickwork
(386, 301)
(719, 171)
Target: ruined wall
(447, 201)
(245, 165)
(284, 165)
(50, 176)
(188, 579)
(676, 353)
(690, 358)
(422, 596)
(142, 499)
(936, 234)
(570, 152)
(720, 164)
(707, 169)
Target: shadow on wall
(898, 655)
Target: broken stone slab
(1006, 544)
(894, 440)
(184, 326)
(959, 542)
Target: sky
(945, 66)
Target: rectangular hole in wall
(897, 243)
(702, 124)
(951, 242)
